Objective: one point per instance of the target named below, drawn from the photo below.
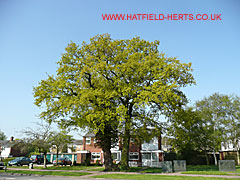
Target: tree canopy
(2, 136)
(210, 123)
(109, 84)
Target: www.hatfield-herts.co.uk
(161, 17)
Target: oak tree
(109, 84)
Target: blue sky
(33, 35)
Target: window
(88, 140)
(133, 156)
(154, 156)
(95, 155)
(146, 156)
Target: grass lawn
(144, 170)
(153, 177)
(93, 168)
(209, 173)
(87, 168)
(191, 169)
(54, 173)
(202, 168)
(209, 170)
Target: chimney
(11, 139)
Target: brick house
(140, 154)
(89, 144)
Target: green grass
(144, 170)
(53, 173)
(87, 168)
(209, 170)
(153, 177)
(202, 168)
(191, 169)
(93, 168)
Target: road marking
(10, 178)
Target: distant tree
(214, 112)
(2, 136)
(65, 148)
(190, 133)
(40, 138)
(24, 146)
(233, 123)
(212, 121)
(60, 140)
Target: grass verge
(87, 168)
(208, 173)
(153, 177)
(52, 173)
(144, 170)
(209, 170)
(93, 168)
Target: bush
(87, 162)
(191, 157)
(170, 156)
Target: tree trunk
(215, 158)
(238, 161)
(106, 144)
(57, 156)
(206, 156)
(45, 160)
(108, 162)
(125, 148)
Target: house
(7, 148)
(152, 153)
(90, 150)
(140, 154)
(229, 151)
(82, 151)
(74, 150)
(75, 146)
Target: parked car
(20, 161)
(1, 165)
(37, 159)
(63, 161)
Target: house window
(88, 140)
(95, 155)
(133, 156)
(146, 155)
